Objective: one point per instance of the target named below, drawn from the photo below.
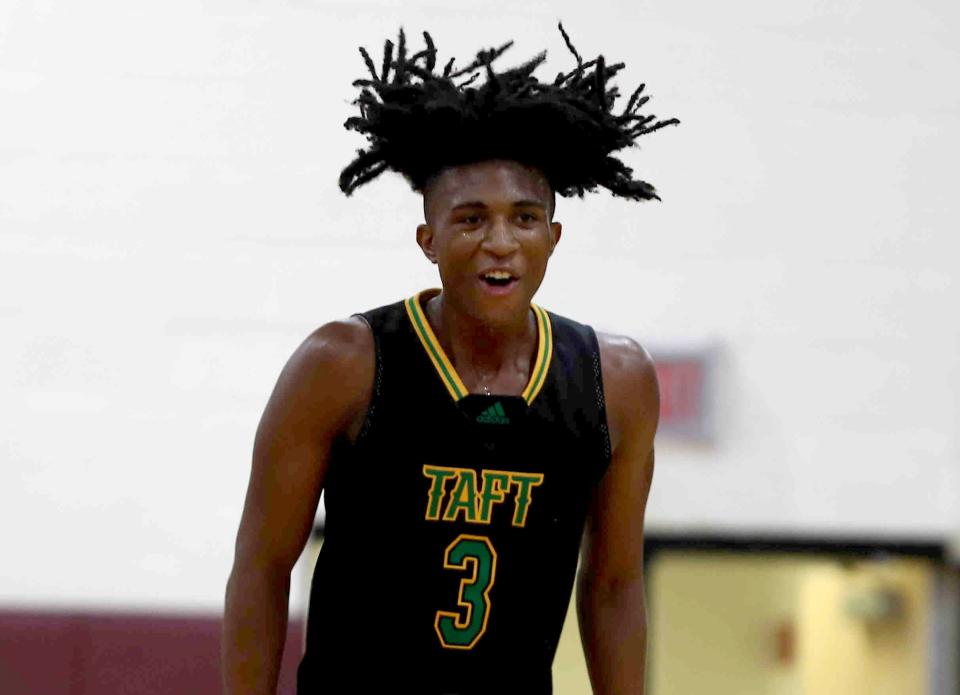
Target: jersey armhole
(601, 402)
(377, 381)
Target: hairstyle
(419, 120)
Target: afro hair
(419, 120)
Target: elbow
(255, 575)
(610, 591)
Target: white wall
(170, 229)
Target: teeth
(498, 275)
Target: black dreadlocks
(419, 121)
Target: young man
(470, 443)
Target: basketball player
(471, 444)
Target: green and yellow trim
(444, 367)
(434, 350)
(544, 354)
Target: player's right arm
(321, 395)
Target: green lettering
(495, 485)
(523, 481)
(438, 475)
(463, 498)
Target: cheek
(538, 250)
(454, 256)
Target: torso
(454, 519)
(362, 379)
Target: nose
(500, 239)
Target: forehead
(493, 180)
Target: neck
(486, 356)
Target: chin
(502, 310)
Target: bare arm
(610, 590)
(322, 394)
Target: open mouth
(498, 278)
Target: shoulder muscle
(326, 384)
(613, 539)
(321, 395)
(630, 387)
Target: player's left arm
(610, 591)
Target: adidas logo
(494, 415)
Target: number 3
(462, 629)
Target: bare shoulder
(347, 343)
(329, 378)
(321, 395)
(630, 386)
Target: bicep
(613, 540)
(318, 393)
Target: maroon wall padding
(46, 653)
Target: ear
(425, 240)
(555, 230)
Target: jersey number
(474, 555)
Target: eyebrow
(517, 204)
(469, 204)
(529, 204)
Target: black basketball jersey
(454, 521)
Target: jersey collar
(444, 367)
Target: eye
(527, 217)
(469, 221)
